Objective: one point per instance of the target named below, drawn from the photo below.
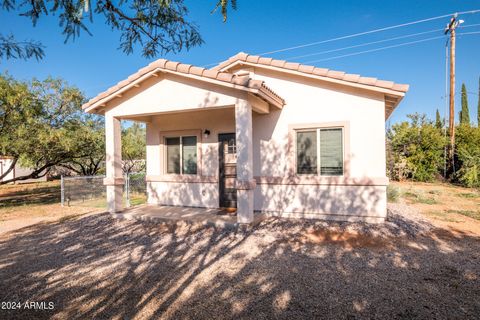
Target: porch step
(172, 215)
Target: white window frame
(319, 169)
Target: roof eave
(262, 92)
(314, 76)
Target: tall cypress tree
(465, 113)
(478, 107)
(438, 120)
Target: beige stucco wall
(310, 102)
(172, 93)
(203, 192)
(337, 202)
(313, 102)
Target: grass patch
(420, 198)
(91, 203)
(66, 218)
(441, 215)
(467, 213)
(469, 195)
(393, 193)
(137, 200)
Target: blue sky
(94, 63)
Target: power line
(364, 44)
(467, 33)
(367, 32)
(364, 33)
(384, 48)
(459, 93)
(469, 25)
(374, 42)
(378, 49)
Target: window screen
(331, 152)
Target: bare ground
(445, 205)
(24, 205)
(97, 267)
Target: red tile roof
(177, 67)
(339, 75)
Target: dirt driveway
(97, 267)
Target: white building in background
(18, 171)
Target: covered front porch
(187, 113)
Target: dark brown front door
(227, 159)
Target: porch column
(245, 183)
(113, 163)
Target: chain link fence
(89, 191)
(135, 189)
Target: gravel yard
(98, 267)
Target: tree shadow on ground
(98, 267)
(31, 196)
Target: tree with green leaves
(133, 148)
(17, 108)
(417, 149)
(158, 27)
(43, 126)
(465, 112)
(438, 120)
(468, 156)
(92, 162)
(478, 105)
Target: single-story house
(255, 133)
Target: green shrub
(415, 151)
(468, 156)
(417, 148)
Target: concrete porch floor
(171, 214)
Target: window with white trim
(181, 155)
(320, 151)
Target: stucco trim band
(182, 178)
(292, 180)
(323, 180)
(118, 181)
(245, 184)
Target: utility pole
(451, 27)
